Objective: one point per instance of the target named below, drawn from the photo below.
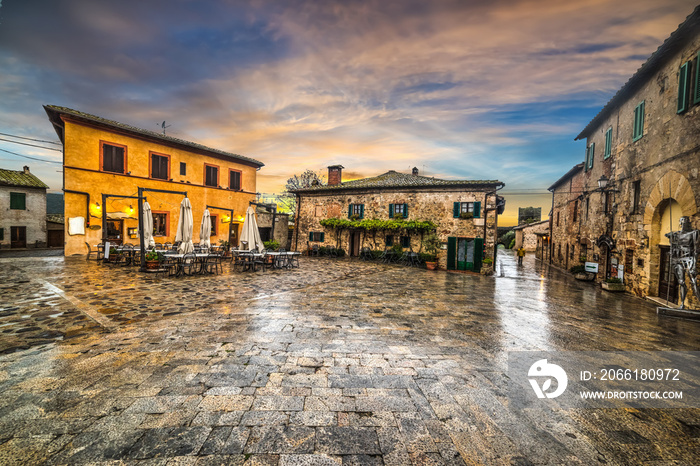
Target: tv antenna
(163, 125)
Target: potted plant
(613, 284)
(152, 260)
(487, 266)
(225, 247)
(466, 215)
(431, 244)
(114, 255)
(579, 272)
(272, 245)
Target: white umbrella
(205, 230)
(250, 233)
(147, 233)
(184, 228)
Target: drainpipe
(486, 211)
(296, 222)
(87, 205)
(551, 231)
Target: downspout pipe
(486, 211)
(87, 204)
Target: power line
(28, 157)
(31, 139)
(32, 145)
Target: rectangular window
(214, 222)
(683, 87)
(406, 242)
(316, 236)
(18, 201)
(575, 213)
(638, 130)
(160, 223)
(557, 218)
(588, 207)
(234, 180)
(211, 175)
(357, 210)
(183, 169)
(113, 158)
(636, 195)
(389, 240)
(608, 143)
(462, 209)
(160, 166)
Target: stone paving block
(329, 403)
(281, 440)
(165, 442)
(347, 440)
(278, 403)
(313, 418)
(264, 418)
(220, 460)
(225, 403)
(415, 434)
(363, 460)
(384, 403)
(310, 460)
(370, 419)
(155, 404)
(349, 381)
(95, 446)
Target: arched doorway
(669, 212)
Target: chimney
(335, 175)
(415, 171)
(26, 170)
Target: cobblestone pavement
(337, 362)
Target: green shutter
(683, 81)
(591, 155)
(478, 253)
(608, 143)
(18, 201)
(391, 210)
(477, 210)
(311, 236)
(455, 210)
(323, 236)
(405, 211)
(350, 209)
(362, 211)
(696, 94)
(638, 130)
(451, 252)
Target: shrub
(577, 269)
(377, 254)
(613, 280)
(396, 247)
(272, 244)
(340, 252)
(487, 261)
(512, 244)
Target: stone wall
(33, 218)
(281, 232)
(526, 236)
(434, 205)
(568, 207)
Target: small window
(590, 154)
(398, 210)
(557, 218)
(214, 223)
(160, 167)
(183, 169)
(638, 130)
(211, 175)
(462, 209)
(316, 236)
(18, 201)
(608, 143)
(607, 199)
(588, 207)
(113, 158)
(629, 260)
(683, 87)
(160, 223)
(575, 213)
(389, 240)
(636, 195)
(356, 210)
(234, 180)
(405, 242)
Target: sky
(475, 90)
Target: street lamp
(603, 182)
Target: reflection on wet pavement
(339, 361)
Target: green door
(464, 253)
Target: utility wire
(32, 145)
(28, 157)
(31, 139)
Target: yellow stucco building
(104, 157)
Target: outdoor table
(199, 256)
(284, 262)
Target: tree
(305, 180)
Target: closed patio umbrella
(205, 230)
(184, 227)
(250, 233)
(147, 232)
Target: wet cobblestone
(338, 362)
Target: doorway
(464, 253)
(355, 241)
(18, 237)
(114, 231)
(668, 284)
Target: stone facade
(280, 233)
(652, 164)
(568, 204)
(526, 235)
(434, 202)
(26, 220)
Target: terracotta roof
(393, 179)
(525, 225)
(55, 218)
(676, 40)
(20, 178)
(54, 113)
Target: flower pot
(152, 265)
(431, 265)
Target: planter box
(613, 286)
(585, 276)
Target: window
(629, 260)
(356, 210)
(160, 166)
(405, 241)
(575, 213)
(683, 87)
(460, 208)
(113, 158)
(160, 223)
(18, 201)
(211, 175)
(214, 224)
(590, 153)
(636, 195)
(316, 236)
(608, 143)
(638, 130)
(557, 218)
(234, 180)
(389, 240)
(183, 169)
(606, 202)
(2, 234)
(588, 206)
(398, 209)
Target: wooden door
(54, 238)
(355, 238)
(668, 284)
(18, 237)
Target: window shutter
(608, 143)
(18, 201)
(323, 236)
(455, 210)
(591, 150)
(350, 209)
(391, 210)
(405, 211)
(683, 81)
(477, 210)
(362, 211)
(639, 121)
(451, 252)
(311, 236)
(696, 94)
(478, 252)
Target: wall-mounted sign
(591, 267)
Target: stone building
(273, 225)
(22, 209)
(565, 242)
(106, 158)
(526, 235)
(465, 211)
(640, 172)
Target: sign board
(621, 272)
(591, 267)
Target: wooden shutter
(683, 82)
(362, 211)
(451, 252)
(350, 209)
(638, 121)
(608, 143)
(18, 201)
(696, 93)
(478, 252)
(591, 154)
(391, 210)
(323, 236)
(455, 210)
(405, 211)
(477, 210)
(311, 236)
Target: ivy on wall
(410, 226)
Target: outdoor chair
(167, 246)
(212, 264)
(99, 253)
(189, 265)
(332, 252)
(293, 261)
(170, 265)
(266, 261)
(281, 260)
(241, 261)
(315, 250)
(127, 254)
(365, 254)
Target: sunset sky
(460, 89)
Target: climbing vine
(410, 226)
